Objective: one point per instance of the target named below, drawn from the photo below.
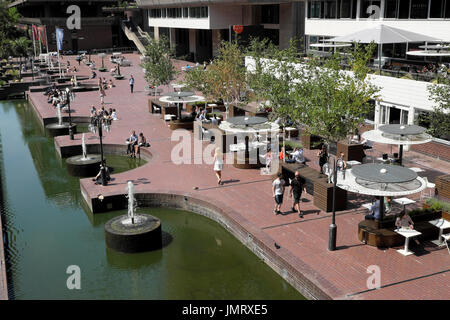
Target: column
(377, 115)
(358, 9)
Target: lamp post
(97, 123)
(68, 95)
(333, 228)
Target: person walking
(218, 165)
(102, 94)
(131, 83)
(323, 157)
(297, 186)
(278, 192)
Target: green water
(49, 229)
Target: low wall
(433, 149)
(255, 240)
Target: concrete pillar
(172, 38)
(193, 41)
(358, 9)
(377, 115)
(156, 34)
(382, 4)
(292, 22)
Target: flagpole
(57, 49)
(34, 43)
(40, 48)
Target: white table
(353, 162)
(417, 169)
(169, 117)
(178, 86)
(404, 202)
(212, 105)
(407, 233)
(441, 224)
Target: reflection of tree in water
(58, 186)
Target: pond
(49, 229)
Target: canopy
(382, 34)
(428, 53)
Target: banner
(43, 35)
(35, 33)
(59, 38)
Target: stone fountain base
(78, 167)
(55, 129)
(144, 235)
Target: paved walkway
(246, 196)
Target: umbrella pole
(381, 208)
(400, 155)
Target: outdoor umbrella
(398, 134)
(382, 34)
(179, 98)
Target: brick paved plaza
(246, 199)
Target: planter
(311, 141)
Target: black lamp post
(70, 113)
(98, 124)
(333, 228)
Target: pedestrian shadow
(230, 181)
(348, 247)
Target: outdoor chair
(430, 186)
(446, 240)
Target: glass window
(390, 7)
(346, 9)
(185, 12)
(315, 9)
(370, 9)
(447, 9)
(330, 9)
(403, 9)
(355, 4)
(419, 9)
(437, 8)
(163, 13)
(270, 14)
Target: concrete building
(195, 27)
(98, 30)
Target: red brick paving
(340, 274)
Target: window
(346, 9)
(185, 12)
(403, 9)
(447, 9)
(437, 8)
(163, 13)
(330, 9)
(390, 9)
(315, 9)
(370, 9)
(419, 9)
(270, 14)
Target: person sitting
(114, 115)
(98, 177)
(111, 84)
(214, 120)
(297, 156)
(142, 142)
(113, 70)
(268, 158)
(375, 211)
(202, 116)
(93, 74)
(404, 221)
(131, 142)
(341, 163)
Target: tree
(22, 48)
(159, 69)
(225, 77)
(328, 101)
(8, 30)
(439, 120)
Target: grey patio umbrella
(381, 34)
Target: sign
(59, 38)
(238, 29)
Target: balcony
(87, 21)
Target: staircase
(135, 34)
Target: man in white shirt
(278, 192)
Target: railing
(132, 36)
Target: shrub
(438, 205)
(290, 145)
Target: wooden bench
(317, 186)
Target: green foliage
(438, 205)
(290, 145)
(440, 119)
(224, 78)
(159, 69)
(8, 31)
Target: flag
(35, 33)
(42, 34)
(59, 38)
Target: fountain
(60, 128)
(84, 165)
(133, 232)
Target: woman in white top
(218, 165)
